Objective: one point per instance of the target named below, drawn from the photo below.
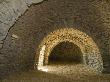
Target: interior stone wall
(10, 10)
(90, 51)
(18, 47)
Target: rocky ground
(60, 73)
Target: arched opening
(87, 50)
(65, 53)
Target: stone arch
(91, 53)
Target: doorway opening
(66, 53)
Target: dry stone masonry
(91, 53)
(26, 35)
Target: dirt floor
(60, 73)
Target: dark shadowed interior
(65, 52)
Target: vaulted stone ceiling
(20, 42)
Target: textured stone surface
(1, 44)
(90, 52)
(89, 16)
(10, 10)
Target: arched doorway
(90, 52)
(66, 53)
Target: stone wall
(19, 46)
(10, 10)
(91, 55)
